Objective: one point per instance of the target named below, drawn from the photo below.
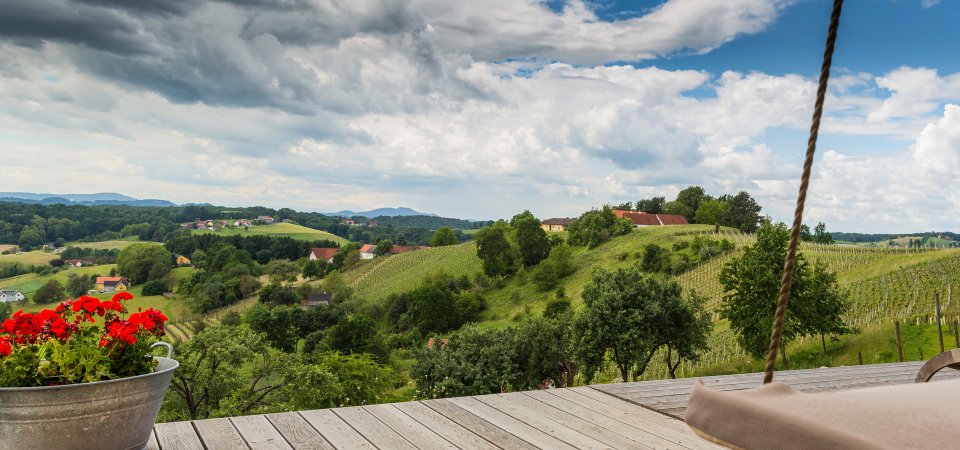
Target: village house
(181, 260)
(324, 253)
(368, 251)
(373, 224)
(11, 296)
(350, 222)
(241, 223)
(312, 300)
(75, 263)
(265, 219)
(642, 219)
(556, 224)
(112, 284)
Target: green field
(376, 279)
(885, 284)
(279, 229)
(34, 258)
(29, 283)
(118, 244)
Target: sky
(483, 109)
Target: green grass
(34, 258)
(279, 229)
(376, 279)
(173, 306)
(118, 244)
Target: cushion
(775, 415)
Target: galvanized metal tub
(114, 414)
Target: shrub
(153, 287)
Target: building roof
(368, 248)
(672, 219)
(10, 293)
(642, 218)
(324, 252)
(558, 221)
(397, 249)
(102, 280)
(317, 299)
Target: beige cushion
(777, 416)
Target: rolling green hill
(376, 279)
(885, 284)
(280, 229)
(34, 258)
(118, 244)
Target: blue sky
(484, 109)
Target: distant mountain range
(104, 198)
(387, 212)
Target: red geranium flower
(120, 296)
(5, 348)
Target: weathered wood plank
(152, 443)
(373, 429)
(489, 431)
(619, 409)
(419, 435)
(177, 436)
(545, 424)
(509, 424)
(448, 429)
(337, 432)
(649, 422)
(298, 432)
(587, 423)
(259, 433)
(219, 434)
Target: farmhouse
(642, 219)
(316, 300)
(75, 263)
(265, 219)
(556, 224)
(11, 296)
(181, 260)
(368, 251)
(325, 253)
(112, 284)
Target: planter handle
(164, 344)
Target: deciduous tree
(444, 236)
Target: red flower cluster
(150, 321)
(26, 328)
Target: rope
(788, 265)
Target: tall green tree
(531, 238)
(443, 236)
(751, 284)
(820, 234)
(743, 212)
(499, 256)
(623, 316)
(652, 205)
(686, 328)
(79, 284)
(476, 361)
(358, 334)
(51, 292)
(692, 197)
(597, 226)
(143, 262)
(712, 212)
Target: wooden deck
(601, 416)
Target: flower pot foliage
(69, 345)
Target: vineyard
(377, 279)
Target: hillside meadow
(884, 284)
(280, 230)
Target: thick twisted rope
(788, 265)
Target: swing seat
(924, 415)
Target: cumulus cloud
(471, 109)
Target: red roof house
(325, 253)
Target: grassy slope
(376, 279)
(173, 307)
(907, 275)
(118, 244)
(34, 258)
(280, 229)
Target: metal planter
(114, 414)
